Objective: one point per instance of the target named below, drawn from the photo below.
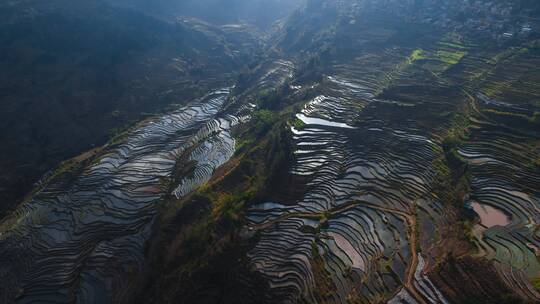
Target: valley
(352, 155)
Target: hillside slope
(75, 74)
(371, 179)
(374, 152)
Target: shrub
(536, 283)
(264, 120)
(227, 208)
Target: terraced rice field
(81, 237)
(500, 150)
(369, 145)
(370, 180)
(76, 241)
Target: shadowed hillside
(75, 74)
(262, 13)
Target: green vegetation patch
(323, 281)
(271, 99)
(453, 45)
(298, 124)
(536, 283)
(264, 120)
(451, 58)
(417, 54)
(228, 207)
(452, 180)
(457, 132)
(508, 54)
(266, 117)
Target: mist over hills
(262, 13)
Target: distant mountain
(262, 13)
(73, 74)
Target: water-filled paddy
(490, 216)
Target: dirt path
(410, 219)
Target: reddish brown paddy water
(490, 216)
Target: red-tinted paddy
(490, 216)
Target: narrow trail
(410, 219)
